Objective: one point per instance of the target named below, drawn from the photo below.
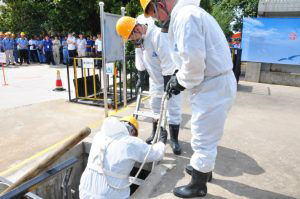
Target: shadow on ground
(229, 163)
(243, 88)
(247, 191)
(258, 90)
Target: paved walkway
(258, 156)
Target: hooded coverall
(202, 53)
(155, 58)
(115, 152)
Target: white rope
(163, 112)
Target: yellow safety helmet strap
(132, 120)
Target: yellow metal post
(84, 78)
(75, 76)
(94, 82)
(115, 85)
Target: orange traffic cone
(59, 86)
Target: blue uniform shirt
(40, 44)
(22, 43)
(63, 44)
(90, 43)
(8, 44)
(15, 44)
(1, 45)
(47, 45)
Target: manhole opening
(143, 175)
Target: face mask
(139, 42)
(132, 131)
(164, 25)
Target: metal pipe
(84, 81)
(115, 87)
(101, 5)
(131, 84)
(68, 74)
(94, 82)
(75, 76)
(120, 84)
(124, 68)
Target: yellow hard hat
(132, 120)
(144, 4)
(124, 27)
(22, 33)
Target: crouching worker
(113, 154)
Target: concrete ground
(31, 84)
(258, 156)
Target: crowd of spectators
(48, 49)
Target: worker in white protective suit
(153, 55)
(205, 70)
(114, 151)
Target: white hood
(113, 128)
(182, 3)
(141, 19)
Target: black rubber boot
(196, 188)
(189, 170)
(174, 131)
(163, 135)
(154, 127)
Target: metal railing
(51, 173)
(89, 86)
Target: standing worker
(98, 49)
(1, 42)
(71, 47)
(8, 46)
(89, 46)
(33, 49)
(81, 46)
(48, 48)
(56, 48)
(112, 156)
(16, 55)
(154, 56)
(65, 51)
(23, 48)
(206, 71)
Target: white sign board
(113, 42)
(110, 68)
(88, 62)
(2, 58)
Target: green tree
(38, 16)
(230, 13)
(27, 16)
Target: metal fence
(89, 87)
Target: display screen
(271, 40)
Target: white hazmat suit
(155, 57)
(114, 152)
(203, 55)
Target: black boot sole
(193, 196)
(176, 152)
